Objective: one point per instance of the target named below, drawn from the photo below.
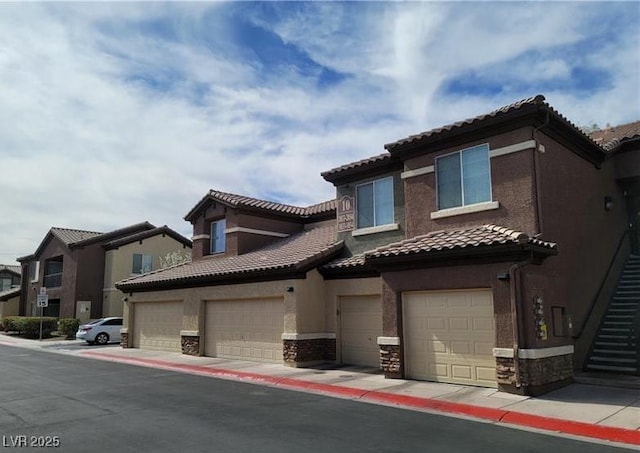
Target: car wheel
(102, 338)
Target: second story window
(53, 272)
(218, 240)
(5, 283)
(34, 270)
(374, 203)
(464, 177)
(141, 263)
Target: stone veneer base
(390, 361)
(190, 345)
(537, 376)
(310, 352)
(124, 340)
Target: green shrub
(68, 327)
(30, 326)
(10, 323)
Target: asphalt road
(91, 406)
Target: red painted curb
(486, 413)
(611, 433)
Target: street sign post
(42, 300)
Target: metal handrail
(585, 320)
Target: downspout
(514, 288)
(536, 176)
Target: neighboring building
(71, 265)
(9, 276)
(9, 301)
(485, 252)
(9, 289)
(137, 254)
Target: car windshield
(95, 321)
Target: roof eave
(363, 171)
(463, 255)
(295, 270)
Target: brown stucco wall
(202, 226)
(627, 164)
(359, 244)
(66, 292)
(89, 280)
(512, 186)
(573, 215)
(447, 278)
(237, 243)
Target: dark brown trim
(367, 170)
(164, 230)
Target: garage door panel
(157, 326)
(449, 336)
(360, 327)
(245, 329)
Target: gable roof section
(72, 238)
(11, 268)
(532, 111)
(317, 211)
(438, 245)
(610, 138)
(163, 230)
(280, 259)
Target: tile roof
(610, 137)
(346, 262)
(80, 238)
(295, 253)
(241, 201)
(69, 236)
(147, 234)
(486, 235)
(380, 158)
(501, 114)
(11, 268)
(535, 100)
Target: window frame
(35, 265)
(393, 203)
(3, 280)
(212, 237)
(459, 153)
(142, 262)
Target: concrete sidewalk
(600, 412)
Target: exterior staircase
(616, 348)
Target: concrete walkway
(602, 412)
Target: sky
(117, 113)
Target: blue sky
(116, 113)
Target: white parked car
(100, 331)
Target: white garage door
(157, 325)
(245, 329)
(449, 336)
(360, 327)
